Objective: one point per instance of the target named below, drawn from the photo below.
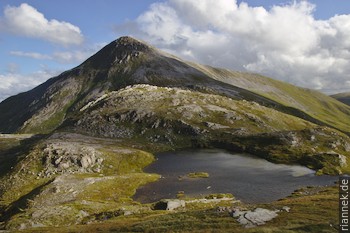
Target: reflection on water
(248, 178)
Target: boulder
(253, 218)
(215, 126)
(169, 204)
(342, 160)
(260, 216)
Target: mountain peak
(119, 51)
(130, 44)
(127, 40)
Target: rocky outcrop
(70, 158)
(169, 204)
(185, 118)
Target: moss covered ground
(102, 202)
(198, 175)
(311, 210)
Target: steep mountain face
(127, 61)
(123, 62)
(343, 97)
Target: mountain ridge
(343, 97)
(127, 61)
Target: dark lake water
(248, 178)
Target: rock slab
(253, 218)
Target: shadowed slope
(343, 97)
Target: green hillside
(314, 104)
(343, 97)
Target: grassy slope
(178, 117)
(313, 103)
(343, 97)
(62, 199)
(109, 196)
(313, 210)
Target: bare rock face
(70, 158)
(129, 48)
(253, 218)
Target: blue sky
(306, 43)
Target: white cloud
(27, 21)
(69, 57)
(77, 56)
(285, 42)
(31, 55)
(64, 56)
(14, 83)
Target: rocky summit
(73, 149)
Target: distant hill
(343, 97)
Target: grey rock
(347, 147)
(37, 225)
(71, 157)
(169, 204)
(128, 212)
(260, 216)
(342, 160)
(85, 161)
(64, 166)
(313, 138)
(57, 161)
(214, 126)
(253, 218)
(224, 209)
(174, 204)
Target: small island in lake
(198, 175)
